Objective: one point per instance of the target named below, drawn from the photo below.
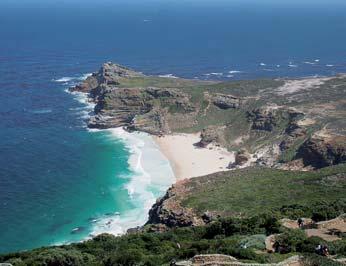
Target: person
(300, 222)
(325, 251)
(318, 249)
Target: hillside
(252, 191)
(245, 206)
(290, 144)
(291, 124)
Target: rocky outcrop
(320, 152)
(226, 101)
(168, 211)
(108, 75)
(211, 134)
(142, 109)
(150, 109)
(263, 118)
(242, 157)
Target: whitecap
(168, 76)
(41, 111)
(309, 63)
(329, 65)
(67, 80)
(293, 65)
(234, 71)
(263, 64)
(84, 76)
(64, 79)
(317, 60)
(214, 74)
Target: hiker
(300, 223)
(318, 249)
(325, 251)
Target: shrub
(290, 241)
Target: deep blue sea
(57, 179)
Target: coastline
(151, 175)
(189, 161)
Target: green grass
(250, 191)
(159, 82)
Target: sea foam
(151, 175)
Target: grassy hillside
(250, 191)
(261, 195)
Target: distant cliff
(289, 124)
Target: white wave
(293, 65)
(278, 65)
(263, 64)
(268, 69)
(151, 174)
(84, 76)
(309, 63)
(317, 60)
(41, 111)
(214, 74)
(64, 79)
(168, 76)
(70, 79)
(329, 65)
(230, 76)
(234, 71)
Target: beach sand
(188, 160)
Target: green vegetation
(260, 195)
(241, 238)
(249, 191)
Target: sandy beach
(188, 160)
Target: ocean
(59, 181)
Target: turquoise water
(55, 175)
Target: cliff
(249, 192)
(289, 124)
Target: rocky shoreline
(289, 135)
(264, 126)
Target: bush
(315, 260)
(130, 257)
(290, 241)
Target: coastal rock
(168, 210)
(322, 151)
(263, 118)
(211, 134)
(226, 101)
(109, 74)
(143, 109)
(242, 157)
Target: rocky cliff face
(138, 109)
(148, 109)
(256, 116)
(321, 152)
(225, 101)
(108, 75)
(169, 211)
